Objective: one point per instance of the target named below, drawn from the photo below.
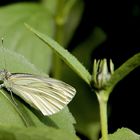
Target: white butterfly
(43, 93)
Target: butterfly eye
(1, 81)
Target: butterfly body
(43, 93)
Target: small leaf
(65, 55)
(124, 134)
(32, 133)
(124, 70)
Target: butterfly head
(4, 74)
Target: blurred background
(116, 26)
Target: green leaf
(65, 55)
(15, 62)
(16, 36)
(64, 120)
(124, 134)
(9, 114)
(20, 115)
(124, 70)
(32, 133)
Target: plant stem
(103, 115)
(59, 37)
(57, 60)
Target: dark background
(120, 21)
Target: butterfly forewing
(43, 93)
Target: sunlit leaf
(16, 36)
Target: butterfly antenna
(4, 58)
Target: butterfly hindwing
(43, 93)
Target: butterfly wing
(45, 94)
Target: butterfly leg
(12, 97)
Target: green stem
(103, 115)
(59, 37)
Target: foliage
(25, 53)
(124, 134)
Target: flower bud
(101, 73)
